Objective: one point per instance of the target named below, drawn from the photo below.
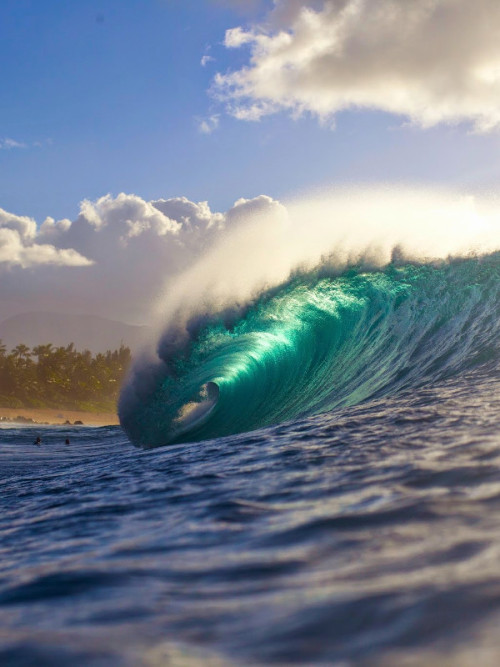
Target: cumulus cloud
(431, 61)
(20, 246)
(112, 260)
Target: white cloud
(19, 246)
(432, 61)
(26, 227)
(44, 142)
(208, 125)
(114, 259)
(206, 59)
(236, 37)
(8, 143)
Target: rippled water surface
(367, 535)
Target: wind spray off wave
(325, 338)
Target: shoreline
(53, 417)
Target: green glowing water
(320, 342)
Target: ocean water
(317, 482)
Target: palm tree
(42, 351)
(61, 375)
(21, 352)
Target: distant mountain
(87, 332)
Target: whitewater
(308, 466)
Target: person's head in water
(66, 441)
(38, 440)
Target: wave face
(316, 343)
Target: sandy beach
(46, 415)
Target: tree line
(61, 377)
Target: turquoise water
(317, 343)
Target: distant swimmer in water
(38, 441)
(66, 441)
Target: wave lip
(316, 343)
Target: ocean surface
(316, 482)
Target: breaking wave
(317, 342)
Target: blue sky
(106, 96)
